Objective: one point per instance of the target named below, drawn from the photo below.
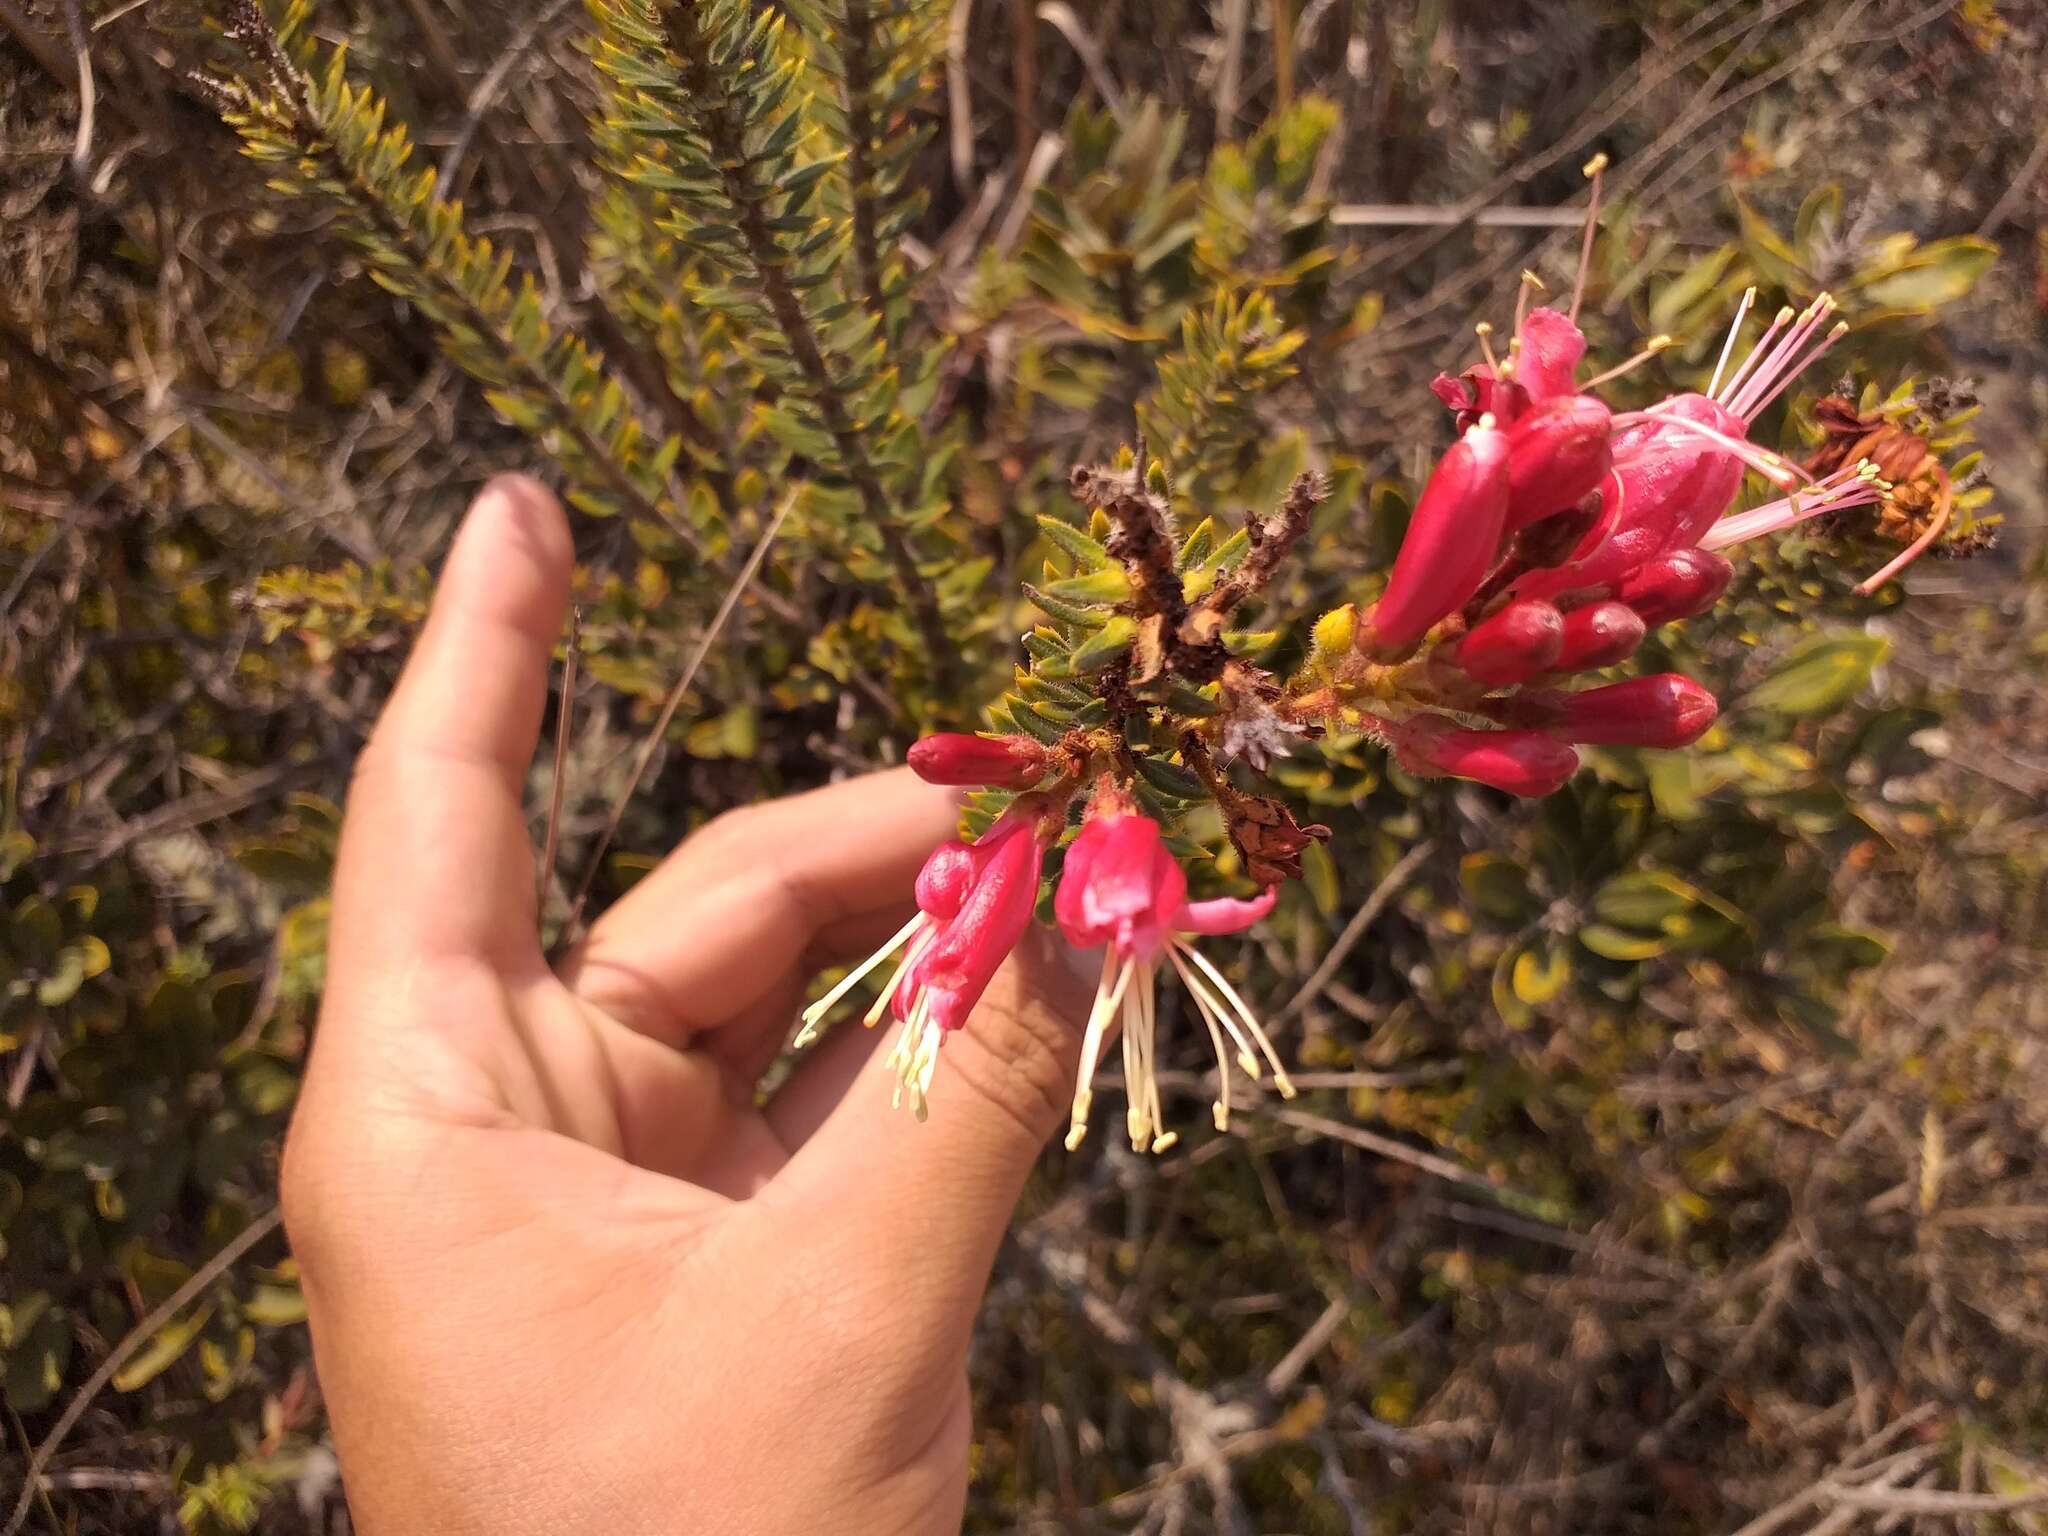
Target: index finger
(720, 929)
(435, 854)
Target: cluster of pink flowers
(1556, 532)
(1120, 890)
(1547, 543)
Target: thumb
(919, 1208)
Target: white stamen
(910, 957)
(1251, 1023)
(1728, 346)
(915, 1057)
(814, 1014)
(1218, 1013)
(1109, 992)
(1779, 321)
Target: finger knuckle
(1023, 1052)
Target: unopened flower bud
(1676, 585)
(1005, 762)
(1335, 631)
(1557, 456)
(1552, 348)
(1520, 762)
(1599, 635)
(1513, 645)
(1667, 710)
(1453, 538)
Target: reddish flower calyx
(1599, 635)
(1520, 762)
(1121, 887)
(1558, 454)
(1452, 539)
(1001, 762)
(1512, 646)
(1676, 586)
(1667, 710)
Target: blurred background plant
(1667, 1156)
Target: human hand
(564, 1273)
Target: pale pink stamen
(1775, 368)
(1792, 373)
(1851, 487)
(1592, 171)
(1756, 353)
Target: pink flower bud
(1452, 540)
(1520, 762)
(1676, 586)
(1557, 456)
(1552, 348)
(1667, 710)
(1513, 645)
(1007, 762)
(1599, 635)
(949, 975)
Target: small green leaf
(1105, 587)
(1541, 973)
(163, 1351)
(1105, 645)
(1497, 886)
(1643, 898)
(1618, 944)
(1820, 674)
(1170, 778)
(1930, 277)
(1064, 611)
(1086, 554)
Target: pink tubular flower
(974, 902)
(1676, 585)
(1512, 645)
(1558, 454)
(1451, 543)
(1679, 464)
(1599, 635)
(1003, 762)
(1666, 710)
(1123, 888)
(1520, 762)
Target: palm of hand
(565, 1271)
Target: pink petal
(1224, 914)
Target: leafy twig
(135, 1338)
(652, 744)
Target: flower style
(974, 901)
(1123, 889)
